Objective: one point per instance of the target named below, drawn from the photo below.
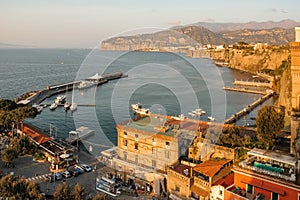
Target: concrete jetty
(246, 90)
(252, 83)
(51, 90)
(248, 108)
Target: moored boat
(53, 106)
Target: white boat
(60, 99)
(211, 118)
(86, 84)
(39, 109)
(67, 106)
(191, 114)
(53, 106)
(180, 117)
(138, 109)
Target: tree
(18, 188)
(269, 122)
(78, 193)
(99, 196)
(63, 192)
(7, 155)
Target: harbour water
(165, 82)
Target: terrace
(271, 163)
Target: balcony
(240, 194)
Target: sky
(85, 23)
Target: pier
(248, 108)
(80, 134)
(246, 90)
(51, 90)
(252, 83)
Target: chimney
(297, 34)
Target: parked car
(80, 170)
(74, 172)
(49, 178)
(86, 167)
(66, 174)
(58, 176)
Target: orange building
(265, 175)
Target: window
(154, 141)
(125, 155)
(250, 188)
(154, 163)
(167, 154)
(154, 151)
(125, 143)
(220, 192)
(177, 188)
(275, 196)
(167, 145)
(125, 134)
(136, 136)
(136, 158)
(136, 146)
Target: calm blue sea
(167, 83)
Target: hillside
(220, 27)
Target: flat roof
(154, 124)
(276, 156)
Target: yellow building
(147, 146)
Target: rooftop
(210, 167)
(272, 155)
(226, 182)
(164, 125)
(183, 169)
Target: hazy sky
(85, 23)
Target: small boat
(191, 114)
(180, 117)
(86, 84)
(60, 99)
(67, 106)
(211, 118)
(73, 106)
(138, 109)
(53, 106)
(39, 109)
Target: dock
(246, 90)
(51, 90)
(248, 108)
(252, 83)
(81, 133)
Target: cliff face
(285, 93)
(251, 60)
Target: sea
(167, 83)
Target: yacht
(60, 99)
(138, 109)
(86, 84)
(53, 106)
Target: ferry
(53, 106)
